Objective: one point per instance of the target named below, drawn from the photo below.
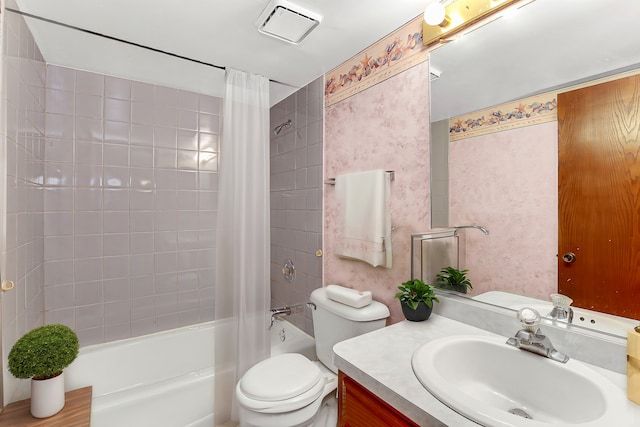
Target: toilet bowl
(289, 390)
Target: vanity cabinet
(358, 407)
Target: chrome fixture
(530, 338)
(278, 129)
(561, 311)
(283, 311)
(289, 310)
(289, 271)
(479, 227)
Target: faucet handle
(529, 318)
(561, 301)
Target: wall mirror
(546, 45)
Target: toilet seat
(282, 383)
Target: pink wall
(383, 127)
(508, 182)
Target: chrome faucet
(530, 338)
(561, 311)
(283, 311)
(479, 227)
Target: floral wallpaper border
(386, 58)
(512, 115)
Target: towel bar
(332, 181)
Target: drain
(521, 413)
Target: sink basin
(495, 384)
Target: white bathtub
(164, 379)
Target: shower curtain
(242, 295)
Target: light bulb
(435, 14)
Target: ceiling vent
(287, 21)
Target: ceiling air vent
(287, 21)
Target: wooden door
(599, 196)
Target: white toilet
(289, 390)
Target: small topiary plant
(43, 352)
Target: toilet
(289, 390)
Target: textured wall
(508, 182)
(383, 127)
(296, 199)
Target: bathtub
(164, 379)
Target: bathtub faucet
(283, 311)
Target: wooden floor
(76, 412)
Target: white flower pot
(47, 396)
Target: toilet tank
(334, 322)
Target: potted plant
(42, 354)
(416, 299)
(453, 279)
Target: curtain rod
(95, 33)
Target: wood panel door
(599, 196)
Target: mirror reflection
(507, 181)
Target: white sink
(495, 384)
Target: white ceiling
(220, 32)
(547, 44)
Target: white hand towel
(364, 218)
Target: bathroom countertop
(381, 362)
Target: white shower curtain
(243, 242)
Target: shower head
(278, 129)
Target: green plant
(43, 352)
(454, 279)
(414, 291)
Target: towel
(364, 218)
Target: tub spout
(283, 311)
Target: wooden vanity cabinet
(358, 407)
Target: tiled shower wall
(23, 257)
(296, 200)
(129, 206)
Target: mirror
(545, 46)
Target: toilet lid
(280, 377)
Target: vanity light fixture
(445, 19)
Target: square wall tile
(60, 102)
(142, 92)
(116, 132)
(88, 293)
(89, 83)
(88, 105)
(118, 110)
(61, 78)
(188, 100)
(115, 87)
(58, 223)
(117, 290)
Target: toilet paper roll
(350, 297)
